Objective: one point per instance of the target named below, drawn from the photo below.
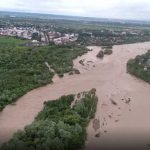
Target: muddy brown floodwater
(123, 108)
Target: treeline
(57, 126)
(107, 38)
(140, 67)
(22, 68)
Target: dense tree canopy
(140, 66)
(23, 68)
(58, 126)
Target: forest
(23, 67)
(91, 32)
(140, 67)
(58, 126)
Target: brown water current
(122, 117)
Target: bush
(100, 54)
(108, 51)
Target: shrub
(108, 51)
(100, 54)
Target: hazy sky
(123, 9)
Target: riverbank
(60, 125)
(112, 83)
(24, 68)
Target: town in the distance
(42, 29)
(73, 83)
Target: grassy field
(23, 68)
(140, 67)
(57, 126)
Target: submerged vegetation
(23, 68)
(106, 50)
(58, 126)
(100, 54)
(140, 67)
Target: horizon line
(75, 16)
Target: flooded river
(124, 101)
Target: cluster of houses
(25, 33)
(42, 37)
(65, 39)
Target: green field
(58, 126)
(23, 68)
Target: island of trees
(61, 125)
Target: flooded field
(122, 116)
